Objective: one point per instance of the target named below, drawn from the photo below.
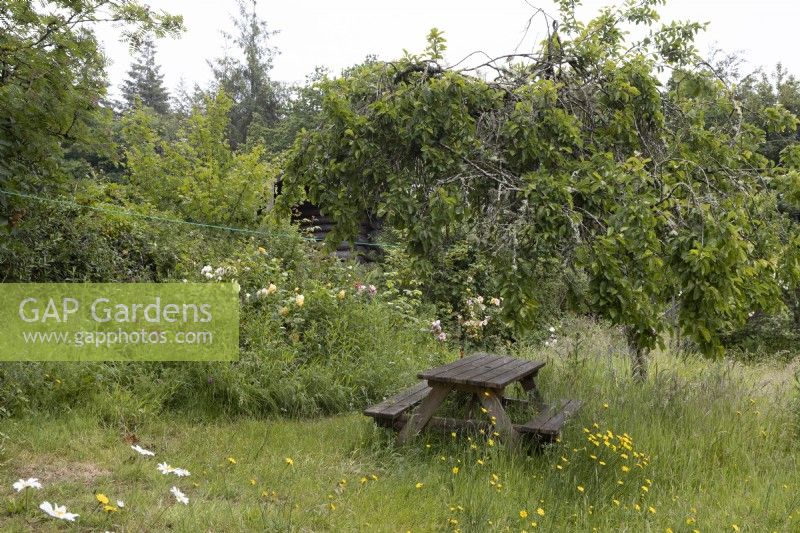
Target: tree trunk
(638, 355)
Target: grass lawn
(700, 446)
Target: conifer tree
(257, 98)
(146, 82)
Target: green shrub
(313, 340)
(765, 337)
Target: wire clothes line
(155, 218)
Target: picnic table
(484, 377)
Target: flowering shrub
(461, 285)
(477, 316)
(316, 335)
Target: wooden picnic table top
(482, 370)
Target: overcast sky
(340, 33)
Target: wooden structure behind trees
(314, 224)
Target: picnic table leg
(473, 401)
(490, 400)
(423, 413)
(529, 385)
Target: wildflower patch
(119, 321)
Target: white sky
(340, 33)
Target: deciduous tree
(576, 156)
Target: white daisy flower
(141, 451)
(31, 482)
(164, 468)
(181, 497)
(57, 511)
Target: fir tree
(146, 82)
(257, 99)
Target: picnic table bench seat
(390, 409)
(548, 423)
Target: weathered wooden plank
(550, 421)
(540, 419)
(392, 407)
(446, 424)
(487, 378)
(481, 369)
(436, 371)
(484, 363)
(464, 373)
(554, 425)
(516, 374)
(423, 413)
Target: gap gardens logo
(119, 322)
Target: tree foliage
(198, 176)
(52, 80)
(577, 157)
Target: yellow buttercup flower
(523, 514)
(232, 460)
(540, 511)
(455, 470)
(289, 461)
(580, 488)
(420, 485)
(102, 498)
